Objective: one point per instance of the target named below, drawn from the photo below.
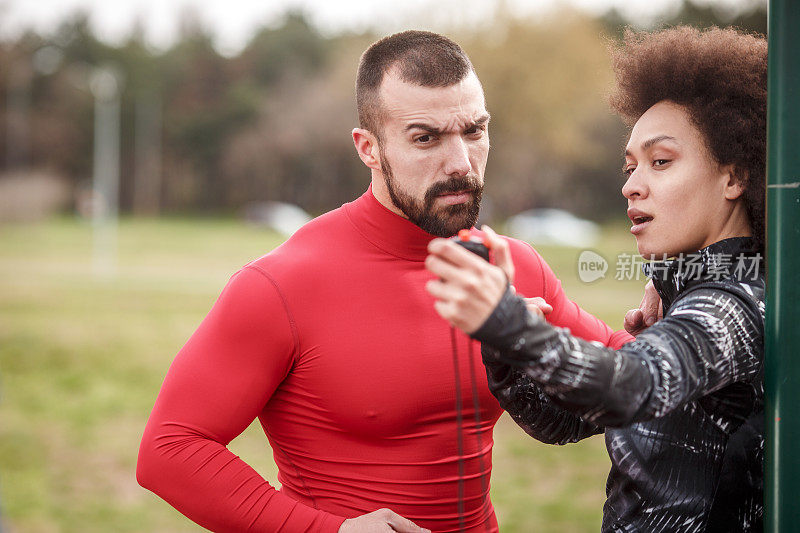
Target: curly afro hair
(720, 77)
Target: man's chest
(380, 357)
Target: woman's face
(679, 198)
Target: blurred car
(278, 216)
(553, 227)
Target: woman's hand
(649, 312)
(468, 288)
(502, 258)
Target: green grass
(82, 358)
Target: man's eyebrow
(651, 141)
(483, 119)
(423, 127)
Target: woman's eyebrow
(651, 141)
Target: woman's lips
(640, 219)
(638, 228)
(639, 224)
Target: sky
(233, 22)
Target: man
(367, 397)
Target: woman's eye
(660, 162)
(628, 171)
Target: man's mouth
(456, 197)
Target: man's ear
(367, 147)
(735, 182)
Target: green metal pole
(782, 378)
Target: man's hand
(650, 311)
(380, 521)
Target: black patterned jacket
(681, 406)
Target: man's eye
(424, 139)
(475, 130)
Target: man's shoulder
(312, 243)
(524, 255)
(520, 247)
(530, 269)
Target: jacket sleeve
(536, 278)
(518, 393)
(219, 382)
(530, 407)
(709, 339)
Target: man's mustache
(452, 185)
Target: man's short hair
(421, 57)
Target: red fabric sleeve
(218, 383)
(566, 313)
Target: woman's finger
(634, 321)
(447, 271)
(446, 292)
(501, 251)
(451, 252)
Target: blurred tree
(198, 117)
(292, 46)
(545, 82)
(300, 148)
(142, 126)
(211, 99)
(749, 15)
(273, 122)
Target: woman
(682, 405)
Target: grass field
(82, 359)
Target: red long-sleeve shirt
(332, 342)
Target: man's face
(433, 150)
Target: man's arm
(566, 313)
(219, 382)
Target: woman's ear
(735, 181)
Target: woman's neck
(737, 224)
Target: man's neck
(381, 193)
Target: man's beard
(443, 221)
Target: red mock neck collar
(388, 231)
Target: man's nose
(457, 162)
